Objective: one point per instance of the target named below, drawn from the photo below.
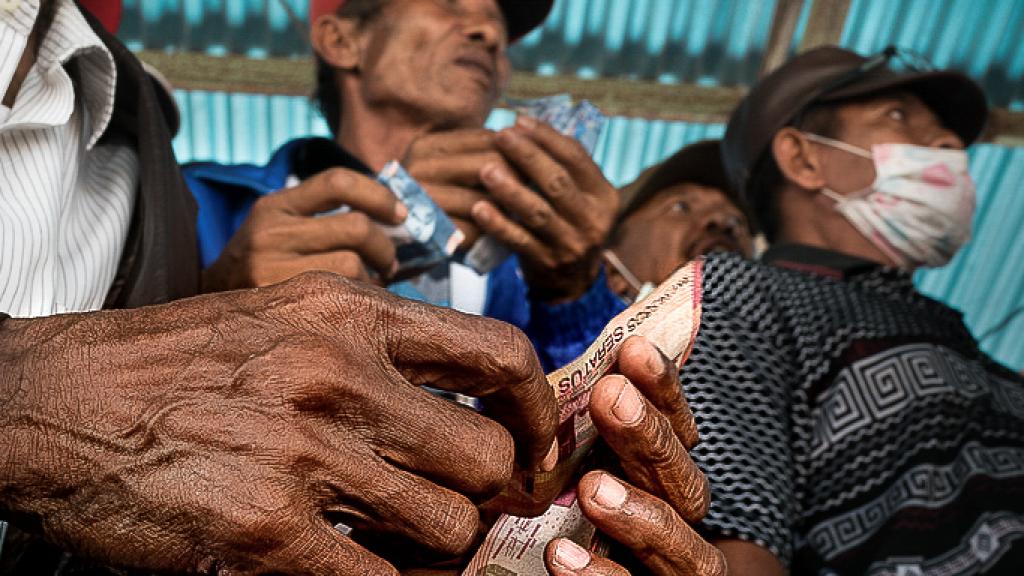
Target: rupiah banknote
(668, 318)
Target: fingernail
(628, 407)
(401, 212)
(393, 270)
(551, 459)
(610, 493)
(479, 210)
(525, 121)
(655, 363)
(570, 556)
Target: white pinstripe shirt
(65, 203)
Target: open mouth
(714, 243)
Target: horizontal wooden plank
(617, 97)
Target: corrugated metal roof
(708, 42)
(983, 38)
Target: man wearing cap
(851, 425)
(672, 213)
(414, 80)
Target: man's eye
(681, 207)
(897, 114)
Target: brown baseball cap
(698, 163)
(522, 15)
(833, 74)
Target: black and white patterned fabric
(851, 425)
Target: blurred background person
(675, 211)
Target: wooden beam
(825, 24)
(286, 76)
(784, 22)
(1005, 127)
(615, 97)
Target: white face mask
(919, 209)
(642, 288)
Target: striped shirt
(65, 202)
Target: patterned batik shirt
(850, 424)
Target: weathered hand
(284, 236)
(651, 437)
(215, 432)
(447, 165)
(557, 228)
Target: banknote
(668, 318)
(427, 236)
(583, 121)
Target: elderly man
(415, 80)
(851, 425)
(674, 212)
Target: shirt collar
(819, 261)
(867, 274)
(316, 155)
(47, 98)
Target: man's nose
(721, 221)
(486, 30)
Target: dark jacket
(160, 261)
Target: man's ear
(336, 41)
(798, 159)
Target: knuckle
(713, 562)
(539, 217)
(519, 360)
(497, 460)
(316, 283)
(350, 266)
(358, 226)
(559, 185)
(339, 179)
(697, 497)
(456, 527)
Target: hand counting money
(582, 121)
(427, 236)
(669, 318)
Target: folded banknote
(668, 318)
(427, 236)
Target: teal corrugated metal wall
(710, 42)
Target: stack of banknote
(668, 318)
(427, 237)
(583, 121)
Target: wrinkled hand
(214, 433)
(559, 226)
(651, 436)
(284, 235)
(447, 165)
(535, 190)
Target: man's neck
(376, 139)
(805, 219)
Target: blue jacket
(226, 193)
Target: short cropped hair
(326, 94)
